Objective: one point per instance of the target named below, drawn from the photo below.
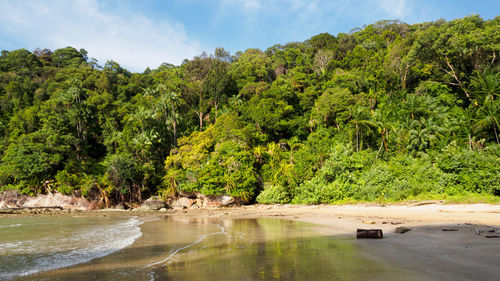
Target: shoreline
(427, 250)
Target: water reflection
(230, 249)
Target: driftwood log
(369, 233)
(14, 210)
(34, 208)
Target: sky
(140, 34)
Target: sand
(426, 249)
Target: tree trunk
(174, 124)
(405, 75)
(200, 115)
(379, 149)
(454, 75)
(496, 133)
(357, 138)
(216, 107)
(470, 143)
(175, 132)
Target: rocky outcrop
(198, 200)
(152, 204)
(217, 201)
(184, 203)
(12, 199)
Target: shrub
(274, 194)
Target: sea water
(30, 245)
(181, 248)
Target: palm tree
(383, 123)
(489, 115)
(362, 120)
(486, 84)
(169, 103)
(424, 134)
(464, 124)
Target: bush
(274, 194)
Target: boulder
(58, 199)
(183, 203)
(12, 199)
(152, 204)
(217, 201)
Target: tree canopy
(390, 111)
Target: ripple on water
(41, 244)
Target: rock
(182, 203)
(12, 199)
(217, 201)
(119, 206)
(152, 204)
(58, 199)
(402, 229)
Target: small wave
(10, 225)
(52, 252)
(203, 237)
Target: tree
(219, 85)
(321, 60)
(169, 103)
(488, 115)
(332, 107)
(68, 57)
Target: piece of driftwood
(477, 231)
(369, 233)
(492, 236)
(426, 203)
(35, 208)
(450, 229)
(402, 229)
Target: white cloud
(394, 8)
(133, 40)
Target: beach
(442, 242)
(426, 248)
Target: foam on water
(10, 225)
(24, 257)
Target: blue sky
(140, 34)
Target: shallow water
(176, 248)
(33, 244)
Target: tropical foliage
(389, 112)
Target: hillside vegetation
(388, 112)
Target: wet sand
(426, 251)
(460, 254)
